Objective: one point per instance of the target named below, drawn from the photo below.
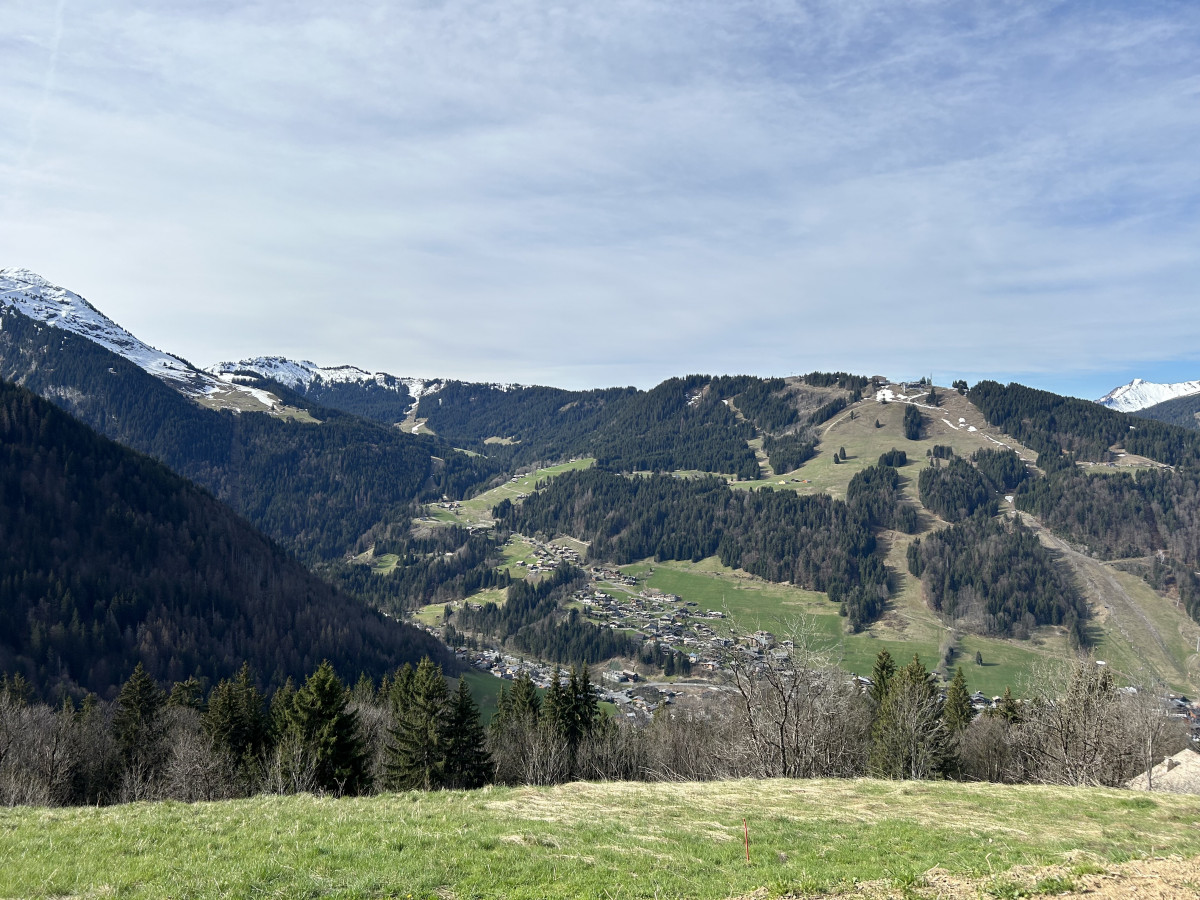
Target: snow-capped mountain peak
(32, 295)
(1139, 394)
(37, 298)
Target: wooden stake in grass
(746, 829)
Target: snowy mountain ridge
(1139, 394)
(32, 295)
(303, 374)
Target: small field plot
(478, 510)
(751, 602)
(628, 840)
(517, 550)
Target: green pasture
(627, 840)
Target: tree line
(795, 718)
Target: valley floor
(598, 840)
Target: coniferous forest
(110, 559)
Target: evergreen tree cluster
(109, 558)
(894, 458)
(1003, 469)
(812, 541)
(788, 452)
(680, 424)
(437, 740)
(914, 423)
(874, 495)
(995, 577)
(532, 620)
(448, 563)
(956, 491)
(764, 401)
(855, 384)
(828, 411)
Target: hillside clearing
(583, 840)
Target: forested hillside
(694, 423)
(110, 559)
(1110, 513)
(1182, 411)
(315, 488)
(813, 541)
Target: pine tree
(526, 705)
(236, 719)
(137, 726)
(958, 711)
(468, 763)
(556, 712)
(417, 755)
(909, 738)
(321, 722)
(188, 694)
(881, 676)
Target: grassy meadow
(617, 840)
(478, 510)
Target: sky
(587, 194)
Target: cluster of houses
(548, 556)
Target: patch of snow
(972, 428)
(1139, 394)
(951, 424)
(34, 296)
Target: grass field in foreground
(621, 840)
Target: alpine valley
(624, 528)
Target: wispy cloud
(611, 193)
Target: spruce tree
(137, 725)
(237, 721)
(417, 755)
(583, 704)
(281, 706)
(881, 676)
(322, 724)
(957, 710)
(556, 711)
(468, 764)
(525, 704)
(909, 738)
(187, 694)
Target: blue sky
(590, 194)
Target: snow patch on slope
(32, 295)
(1139, 394)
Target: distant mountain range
(312, 457)
(1141, 394)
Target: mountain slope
(314, 487)
(110, 559)
(1139, 394)
(378, 396)
(1182, 411)
(32, 295)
